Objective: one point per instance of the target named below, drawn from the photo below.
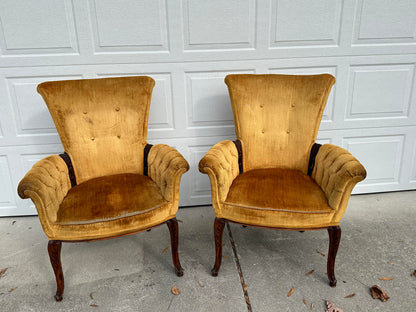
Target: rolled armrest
(165, 167)
(336, 171)
(47, 183)
(221, 165)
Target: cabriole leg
(334, 239)
(174, 238)
(218, 230)
(54, 250)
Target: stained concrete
(133, 273)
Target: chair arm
(336, 171)
(221, 165)
(165, 167)
(47, 183)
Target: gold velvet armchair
(109, 182)
(275, 175)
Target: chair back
(277, 117)
(102, 123)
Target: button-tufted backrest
(277, 117)
(102, 123)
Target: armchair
(109, 182)
(275, 175)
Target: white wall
(189, 46)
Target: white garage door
(188, 47)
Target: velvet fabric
(110, 198)
(277, 119)
(102, 124)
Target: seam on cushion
(275, 209)
(131, 214)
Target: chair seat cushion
(110, 198)
(277, 197)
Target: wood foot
(174, 238)
(218, 230)
(334, 239)
(54, 250)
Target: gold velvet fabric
(277, 119)
(110, 198)
(102, 124)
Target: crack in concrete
(240, 272)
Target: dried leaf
(391, 262)
(331, 307)
(304, 301)
(94, 305)
(116, 269)
(414, 273)
(321, 253)
(13, 222)
(225, 257)
(180, 221)
(310, 272)
(245, 287)
(176, 290)
(291, 291)
(385, 278)
(2, 271)
(91, 295)
(377, 292)
(350, 295)
(166, 249)
(13, 289)
(199, 284)
(311, 306)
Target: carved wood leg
(334, 239)
(218, 229)
(174, 237)
(54, 250)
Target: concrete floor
(133, 273)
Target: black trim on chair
(314, 151)
(71, 171)
(145, 163)
(239, 147)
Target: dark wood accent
(174, 237)
(334, 239)
(145, 155)
(54, 250)
(239, 147)
(218, 230)
(314, 151)
(71, 171)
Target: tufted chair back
(102, 123)
(277, 117)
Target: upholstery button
(261, 105)
(117, 109)
(262, 131)
(85, 113)
(293, 105)
(92, 138)
(119, 136)
(287, 131)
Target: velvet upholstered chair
(275, 175)
(109, 182)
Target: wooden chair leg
(54, 250)
(174, 238)
(218, 230)
(334, 239)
